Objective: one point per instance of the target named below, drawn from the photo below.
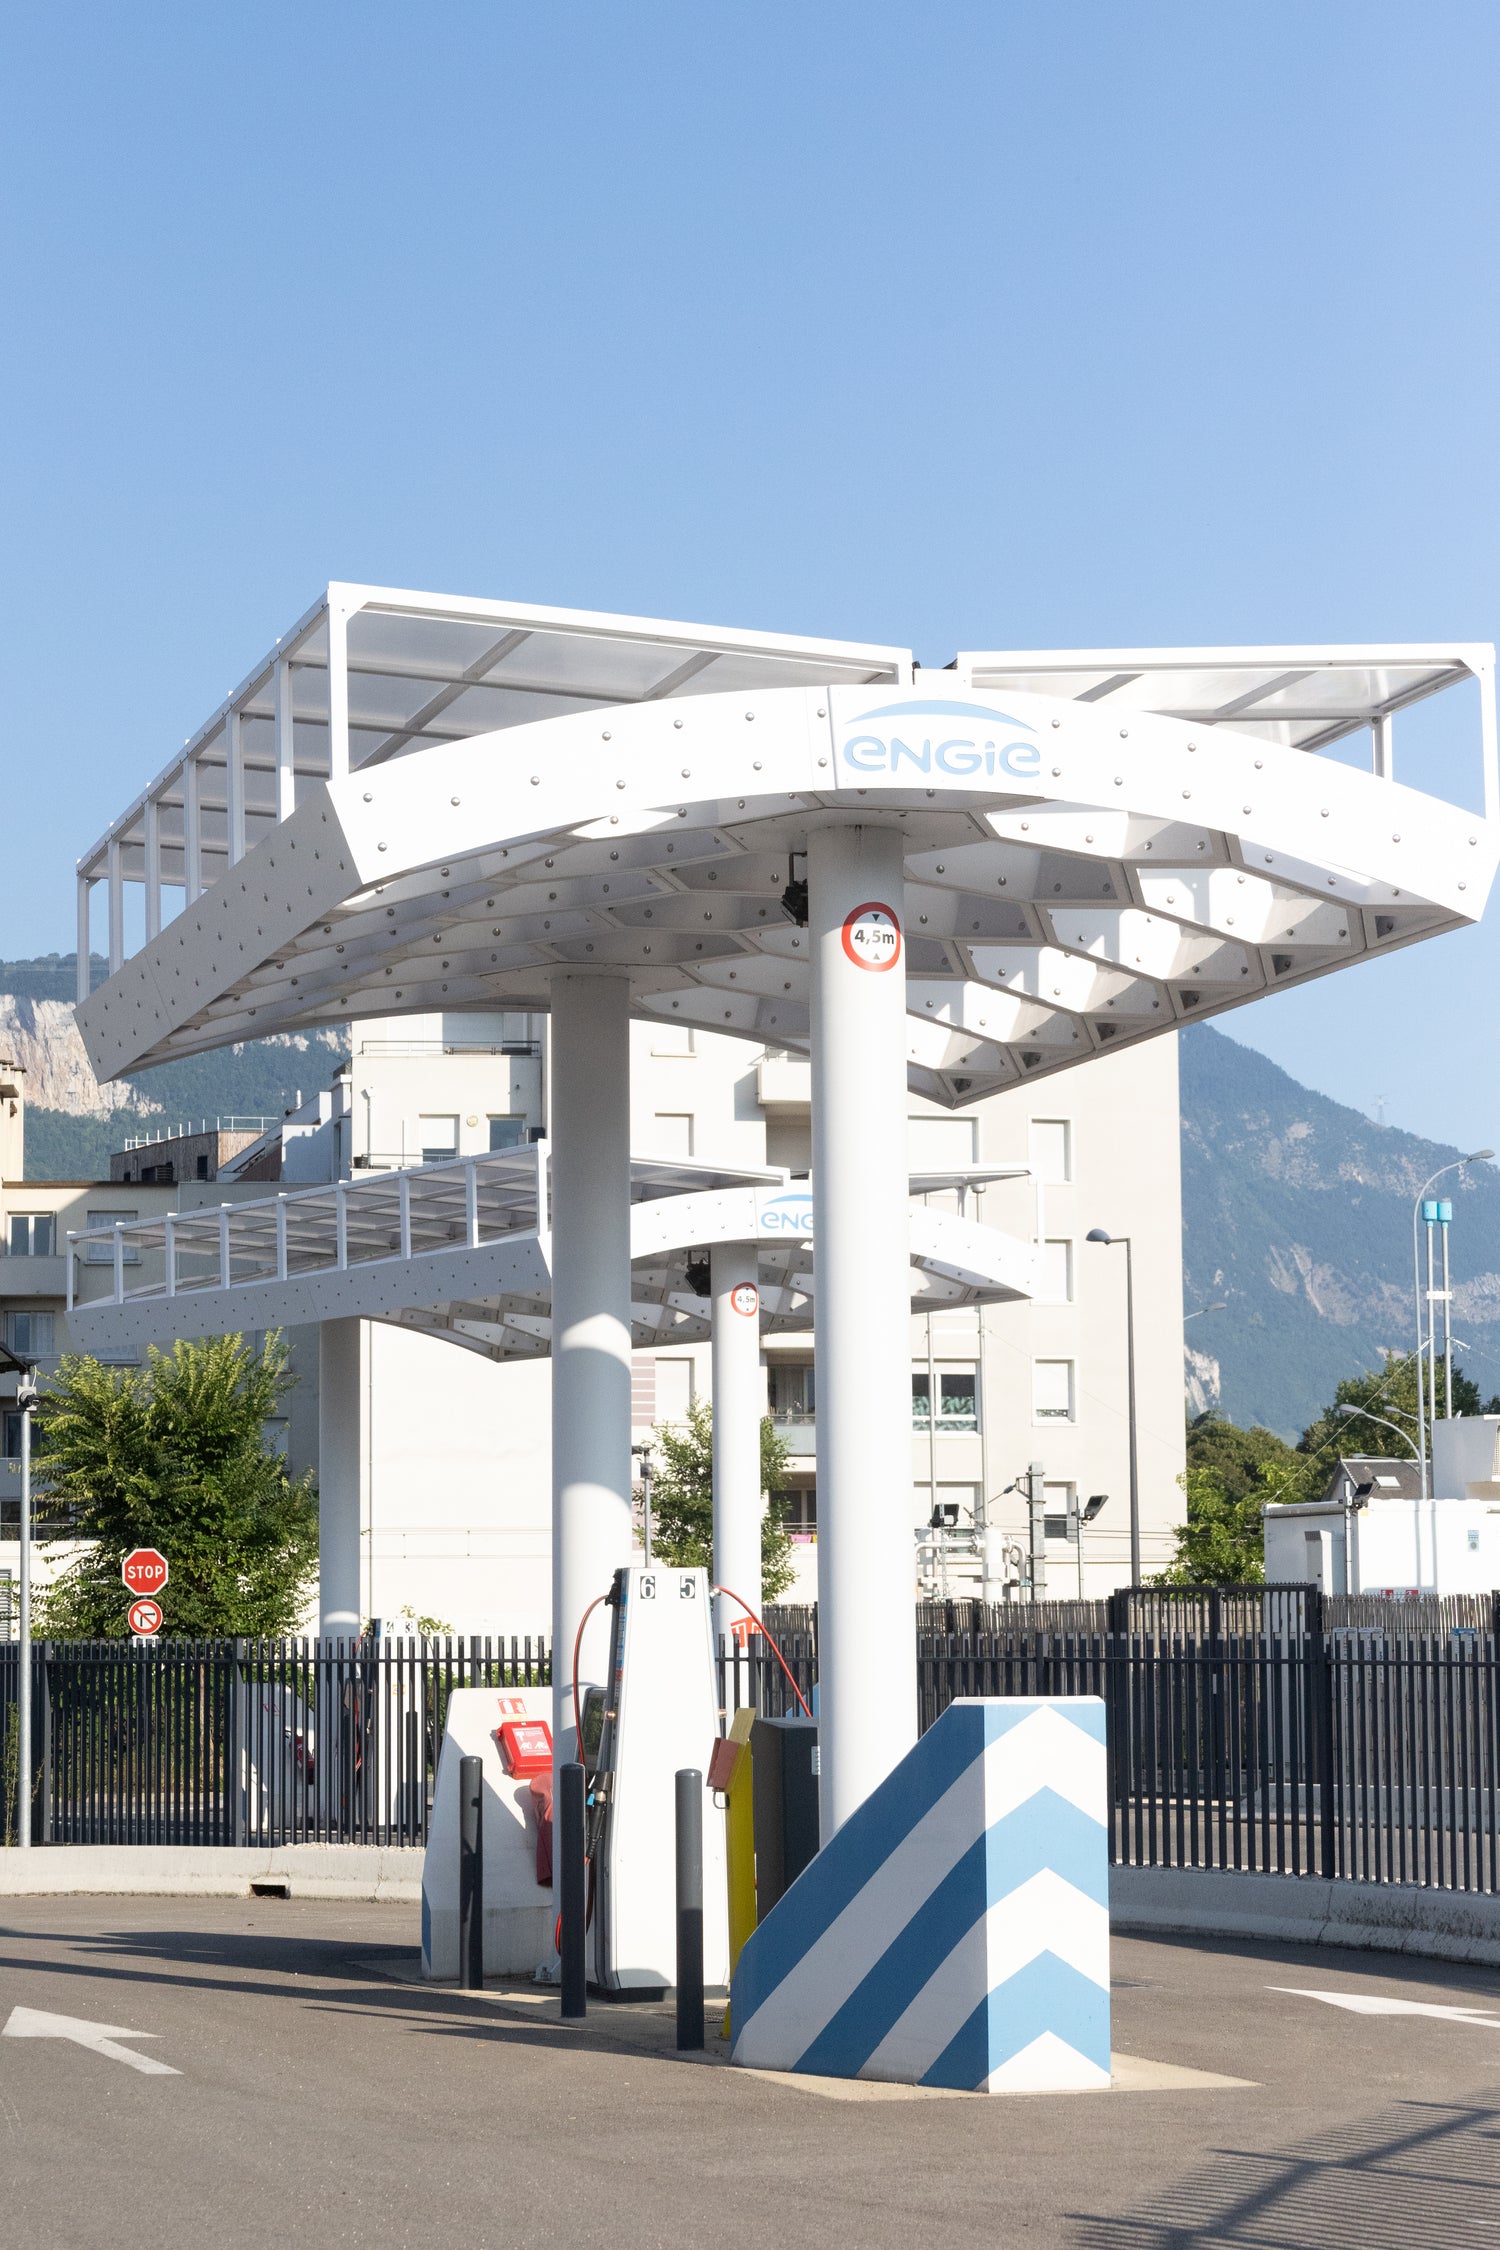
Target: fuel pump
(657, 1712)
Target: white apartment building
(451, 1451)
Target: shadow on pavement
(1424, 2173)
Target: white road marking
(1376, 2004)
(100, 2038)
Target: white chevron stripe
(1047, 1751)
(1044, 1915)
(1048, 2066)
(1048, 1914)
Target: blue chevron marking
(1045, 1833)
(844, 1866)
(1049, 1831)
(1047, 1995)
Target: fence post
(569, 1868)
(471, 1874)
(1319, 1663)
(41, 1705)
(689, 1909)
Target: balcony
(33, 1277)
(783, 1082)
(798, 1433)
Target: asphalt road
(319, 2096)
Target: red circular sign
(745, 1298)
(872, 936)
(145, 1616)
(145, 1570)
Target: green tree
(1232, 1473)
(682, 1500)
(174, 1455)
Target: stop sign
(144, 1570)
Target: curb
(332, 1871)
(1307, 1910)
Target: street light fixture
(1476, 1156)
(1364, 1414)
(1100, 1234)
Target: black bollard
(471, 1874)
(569, 1865)
(689, 1909)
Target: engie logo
(988, 749)
(786, 1214)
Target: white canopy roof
(1099, 844)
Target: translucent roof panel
(1301, 697)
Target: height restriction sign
(144, 1570)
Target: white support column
(85, 935)
(590, 1323)
(286, 771)
(1382, 747)
(737, 1410)
(116, 908)
(234, 768)
(152, 844)
(867, 1711)
(338, 691)
(343, 1465)
(192, 831)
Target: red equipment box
(525, 1747)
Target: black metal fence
(241, 1742)
(1270, 1741)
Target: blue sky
(963, 326)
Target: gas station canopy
(419, 804)
(462, 1251)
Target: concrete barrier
(1307, 1910)
(333, 1871)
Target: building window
(671, 1134)
(1060, 1511)
(797, 1507)
(941, 1144)
(674, 1389)
(791, 1391)
(1052, 1390)
(507, 1132)
(103, 1253)
(29, 1334)
(33, 1234)
(958, 1399)
(1052, 1149)
(439, 1138)
(1055, 1278)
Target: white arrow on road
(1376, 2004)
(31, 2023)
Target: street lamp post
(1476, 1156)
(26, 1401)
(1099, 1234)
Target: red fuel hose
(760, 1627)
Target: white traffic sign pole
(590, 1142)
(736, 1381)
(25, 1399)
(867, 1710)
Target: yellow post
(739, 1842)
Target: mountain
(73, 1123)
(1296, 1216)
